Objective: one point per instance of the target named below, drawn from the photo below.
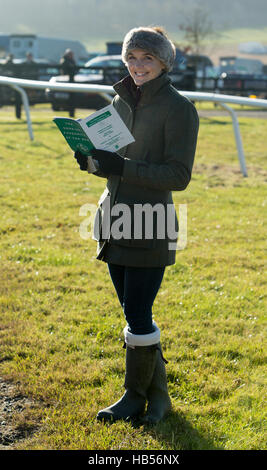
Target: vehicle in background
(183, 73)
(110, 68)
(243, 85)
(101, 70)
(208, 80)
(113, 48)
(234, 76)
(238, 65)
(41, 47)
(199, 62)
(241, 76)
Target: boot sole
(106, 418)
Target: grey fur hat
(152, 40)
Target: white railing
(107, 91)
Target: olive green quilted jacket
(165, 127)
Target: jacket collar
(128, 91)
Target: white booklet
(103, 130)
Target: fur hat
(153, 40)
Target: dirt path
(254, 113)
(14, 425)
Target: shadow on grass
(177, 433)
(213, 120)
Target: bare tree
(197, 28)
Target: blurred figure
(68, 67)
(12, 70)
(29, 68)
(68, 64)
(9, 60)
(29, 58)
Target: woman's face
(143, 66)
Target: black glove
(109, 163)
(82, 160)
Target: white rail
(107, 91)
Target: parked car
(102, 70)
(241, 76)
(239, 65)
(243, 84)
(183, 73)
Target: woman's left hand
(82, 160)
(110, 163)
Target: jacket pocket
(136, 225)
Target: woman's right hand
(82, 160)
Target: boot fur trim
(142, 340)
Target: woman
(165, 126)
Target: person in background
(68, 67)
(29, 58)
(165, 127)
(29, 68)
(12, 69)
(9, 61)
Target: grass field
(61, 323)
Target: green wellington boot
(140, 365)
(159, 402)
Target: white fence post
(238, 138)
(26, 105)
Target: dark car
(183, 73)
(241, 76)
(244, 84)
(102, 70)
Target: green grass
(61, 323)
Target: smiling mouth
(138, 74)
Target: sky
(83, 19)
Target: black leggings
(137, 289)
